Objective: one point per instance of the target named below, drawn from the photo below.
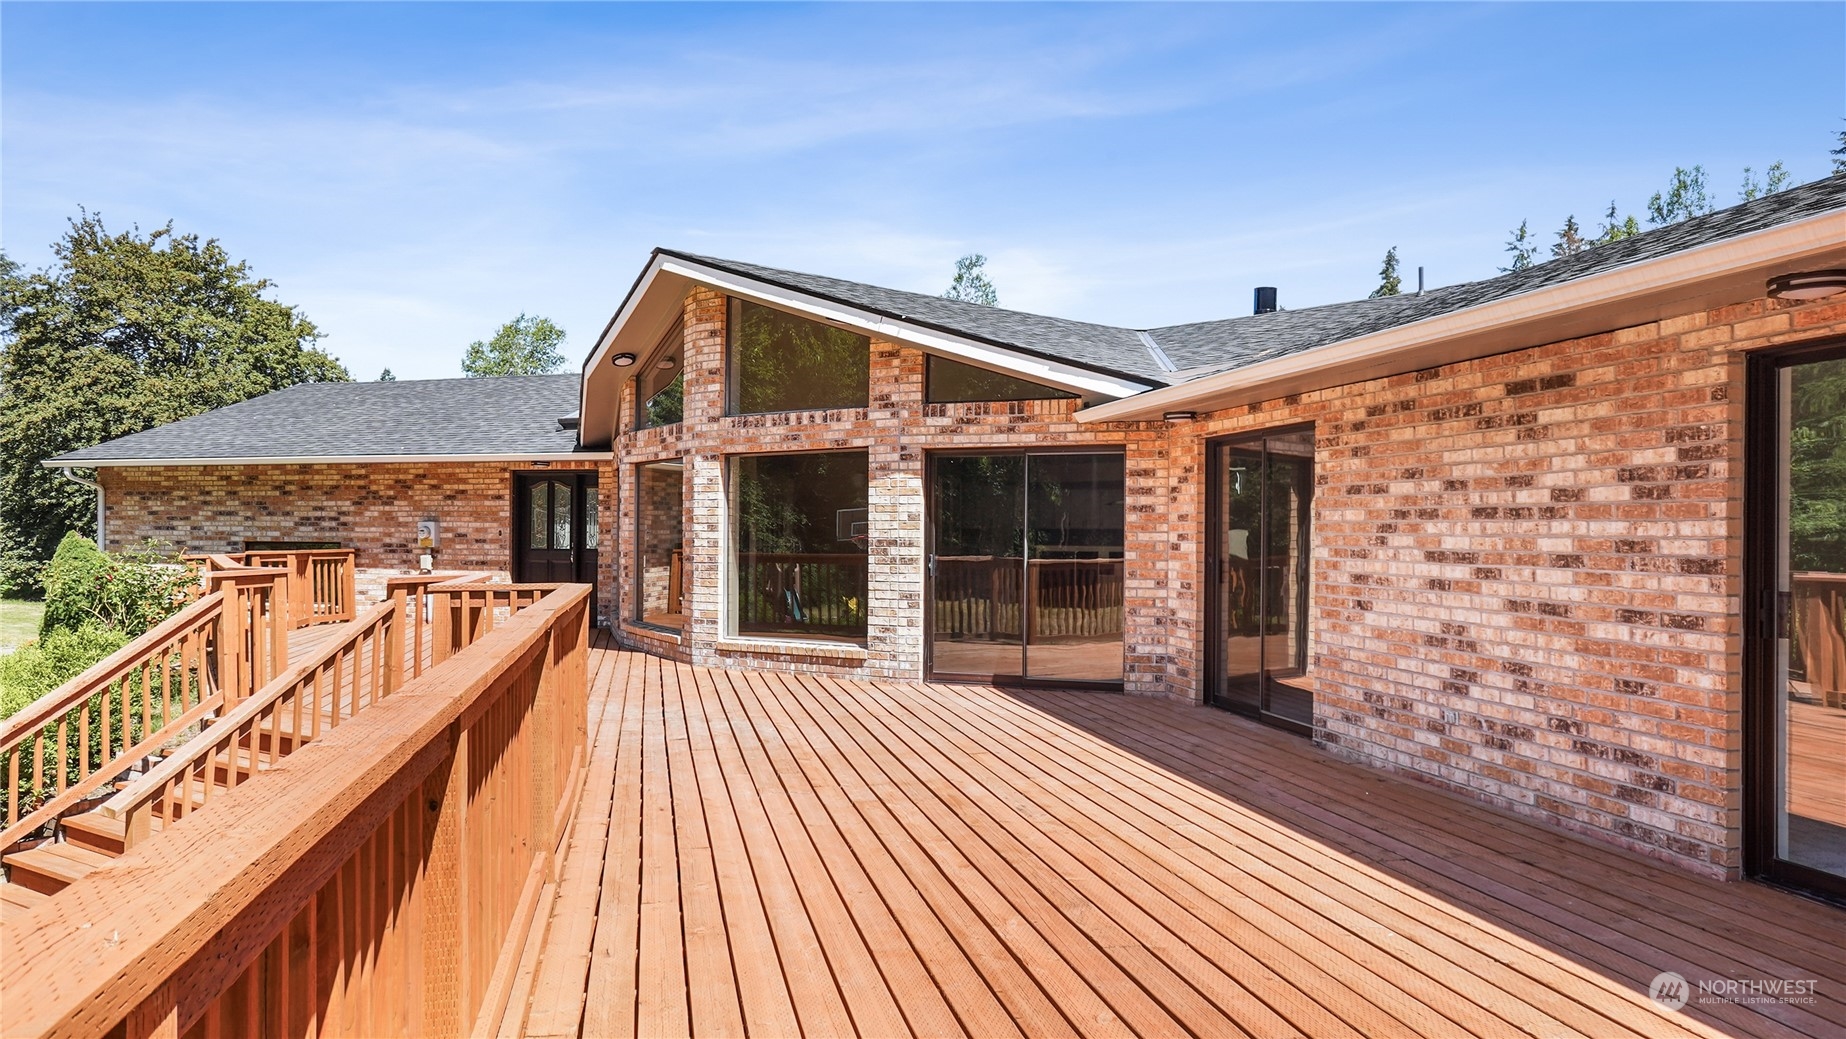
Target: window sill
(846, 651)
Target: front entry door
(554, 528)
(1796, 619)
(1260, 511)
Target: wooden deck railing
(66, 746)
(461, 612)
(321, 583)
(416, 599)
(69, 743)
(380, 881)
(321, 586)
(333, 686)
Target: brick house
(1542, 539)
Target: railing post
(233, 618)
(157, 1016)
(138, 826)
(394, 646)
(277, 630)
(442, 626)
(349, 584)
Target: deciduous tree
(122, 332)
(1683, 199)
(522, 346)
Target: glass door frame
(1214, 655)
(929, 576)
(1766, 618)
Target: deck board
(772, 853)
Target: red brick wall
(371, 508)
(1528, 571)
(1527, 567)
(895, 430)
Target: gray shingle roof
(506, 416)
(1116, 351)
(1210, 347)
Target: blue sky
(412, 176)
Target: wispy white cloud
(1133, 165)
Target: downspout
(74, 478)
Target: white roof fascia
(1715, 260)
(1064, 376)
(542, 456)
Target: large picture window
(780, 362)
(798, 527)
(660, 576)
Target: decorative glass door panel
(556, 519)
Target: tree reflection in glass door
(1261, 505)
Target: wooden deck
(777, 854)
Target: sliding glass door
(1260, 509)
(1025, 566)
(1796, 635)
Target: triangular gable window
(952, 382)
(780, 362)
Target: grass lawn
(18, 623)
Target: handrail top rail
(46, 708)
(498, 588)
(154, 927)
(124, 801)
(1817, 577)
(437, 579)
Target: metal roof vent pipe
(1265, 299)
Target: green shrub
(37, 668)
(130, 592)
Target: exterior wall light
(1808, 285)
(1180, 416)
(666, 363)
(623, 360)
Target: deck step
(50, 868)
(15, 900)
(94, 831)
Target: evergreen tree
(1839, 155)
(1570, 239)
(1683, 199)
(121, 333)
(1389, 284)
(1523, 247)
(386, 376)
(971, 284)
(522, 346)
